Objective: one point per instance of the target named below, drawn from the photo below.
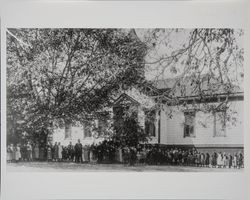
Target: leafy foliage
(130, 133)
(196, 62)
(68, 74)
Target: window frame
(87, 129)
(150, 122)
(223, 131)
(186, 113)
(68, 131)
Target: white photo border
(125, 14)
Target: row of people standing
(153, 155)
(74, 153)
(57, 152)
(19, 152)
(190, 157)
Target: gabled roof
(138, 98)
(123, 97)
(180, 88)
(185, 87)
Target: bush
(105, 151)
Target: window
(68, 130)
(220, 123)
(150, 128)
(102, 126)
(87, 130)
(150, 123)
(159, 127)
(189, 124)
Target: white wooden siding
(172, 128)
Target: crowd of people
(191, 157)
(49, 152)
(152, 155)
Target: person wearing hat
(78, 152)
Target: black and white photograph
(125, 99)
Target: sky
(170, 40)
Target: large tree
(60, 75)
(203, 63)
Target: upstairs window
(68, 130)
(220, 118)
(102, 127)
(189, 124)
(150, 123)
(87, 131)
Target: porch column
(158, 126)
(141, 117)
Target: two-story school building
(175, 124)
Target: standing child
(202, 159)
(240, 162)
(9, 154)
(12, 150)
(207, 159)
(227, 160)
(224, 160)
(230, 158)
(220, 160)
(49, 153)
(235, 161)
(29, 151)
(14, 153)
(18, 153)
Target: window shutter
(68, 130)
(189, 123)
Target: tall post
(141, 117)
(158, 114)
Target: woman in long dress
(29, 151)
(9, 153)
(55, 152)
(49, 152)
(36, 150)
(224, 160)
(86, 154)
(219, 160)
(235, 160)
(83, 155)
(18, 153)
(12, 153)
(60, 151)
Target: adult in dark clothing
(214, 159)
(29, 151)
(24, 153)
(78, 152)
(41, 153)
(207, 159)
(55, 152)
(230, 160)
(71, 151)
(64, 153)
(49, 152)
